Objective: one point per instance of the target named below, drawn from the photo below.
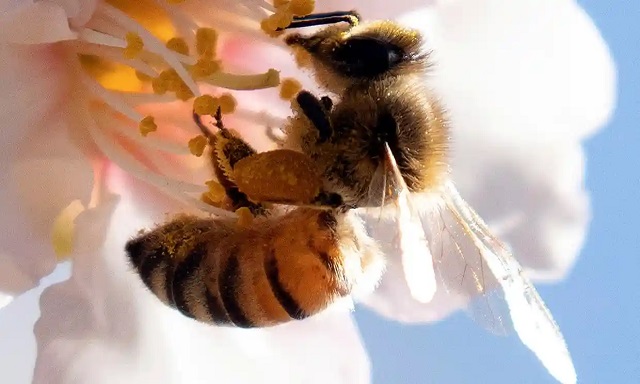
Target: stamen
(197, 145)
(99, 38)
(184, 24)
(110, 121)
(110, 98)
(134, 46)
(206, 40)
(255, 11)
(178, 45)
(227, 103)
(153, 44)
(204, 68)
(269, 79)
(147, 125)
(289, 88)
(135, 99)
(302, 7)
(206, 105)
(174, 188)
(113, 54)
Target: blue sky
(598, 305)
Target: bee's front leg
(317, 112)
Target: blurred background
(597, 305)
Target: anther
(227, 103)
(178, 44)
(206, 39)
(301, 7)
(147, 125)
(134, 45)
(197, 145)
(205, 105)
(289, 88)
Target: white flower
(102, 326)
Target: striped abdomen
(288, 267)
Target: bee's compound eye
(366, 56)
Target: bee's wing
(502, 298)
(412, 241)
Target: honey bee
(279, 267)
(226, 150)
(275, 270)
(381, 139)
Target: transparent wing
(410, 235)
(469, 260)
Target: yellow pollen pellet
(197, 145)
(175, 1)
(301, 7)
(206, 40)
(280, 3)
(216, 191)
(134, 45)
(227, 103)
(147, 125)
(178, 44)
(245, 218)
(291, 179)
(289, 88)
(205, 105)
(203, 68)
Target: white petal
(41, 169)
(102, 326)
(536, 67)
(37, 23)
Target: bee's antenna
(316, 19)
(203, 128)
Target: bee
(278, 267)
(272, 271)
(226, 150)
(380, 139)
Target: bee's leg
(203, 128)
(316, 111)
(227, 150)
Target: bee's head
(344, 55)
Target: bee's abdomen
(171, 262)
(243, 277)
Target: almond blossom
(525, 83)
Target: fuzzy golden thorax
(398, 112)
